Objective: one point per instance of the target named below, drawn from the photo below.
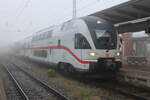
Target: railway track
(12, 90)
(30, 87)
(20, 90)
(124, 89)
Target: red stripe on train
(64, 48)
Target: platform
(139, 69)
(139, 75)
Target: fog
(21, 18)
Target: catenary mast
(74, 9)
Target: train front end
(104, 56)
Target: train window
(50, 33)
(45, 35)
(40, 53)
(33, 38)
(81, 42)
(41, 36)
(37, 37)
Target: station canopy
(130, 16)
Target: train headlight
(92, 54)
(98, 22)
(118, 53)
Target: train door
(78, 49)
(50, 55)
(51, 51)
(56, 52)
(82, 44)
(59, 51)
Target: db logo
(108, 55)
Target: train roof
(45, 29)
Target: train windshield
(103, 33)
(105, 39)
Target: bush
(86, 94)
(52, 73)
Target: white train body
(88, 44)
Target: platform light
(92, 54)
(98, 22)
(120, 35)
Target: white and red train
(85, 45)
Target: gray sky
(21, 18)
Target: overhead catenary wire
(68, 14)
(21, 10)
(88, 5)
(82, 8)
(15, 17)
